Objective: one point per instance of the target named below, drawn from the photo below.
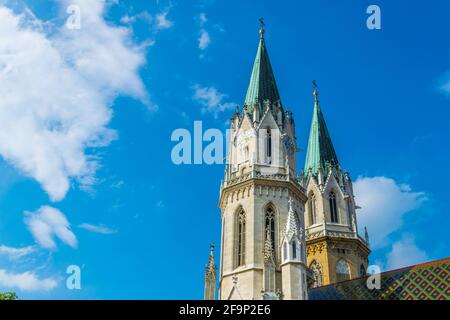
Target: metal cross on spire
(316, 93)
(263, 25)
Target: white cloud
(405, 253)
(56, 89)
(96, 228)
(16, 253)
(144, 15)
(27, 281)
(384, 203)
(162, 22)
(47, 223)
(204, 40)
(211, 100)
(158, 22)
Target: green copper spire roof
(320, 151)
(262, 82)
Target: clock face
(243, 139)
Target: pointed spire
(366, 235)
(211, 267)
(320, 153)
(262, 84)
(210, 276)
(292, 228)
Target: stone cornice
(329, 242)
(253, 182)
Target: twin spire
(320, 153)
(263, 87)
(262, 84)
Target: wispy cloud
(160, 204)
(162, 21)
(405, 253)
(26, 281)
(204, 39)
(211, 100)
(158, 22)
(97, 228)
(47, 223)
(444, 84)
(383, 203)
(48, 125)
(130, 19)
(16, 253)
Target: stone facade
(281, 230)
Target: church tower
(335, 251)
(261, 199)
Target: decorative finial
(268, 247)
(366, 235)
(262, 30)
(211, 248)
(316, 93)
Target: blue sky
(87, 117)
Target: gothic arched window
(312, 210)
(269, 219)
(240, 238)
(333, 207)
(316, 271)
(294, 250)
(342, 270)
(269, 145)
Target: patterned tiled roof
(427, 281)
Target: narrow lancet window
(333, 208)
(269, 146)
(240, 241)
